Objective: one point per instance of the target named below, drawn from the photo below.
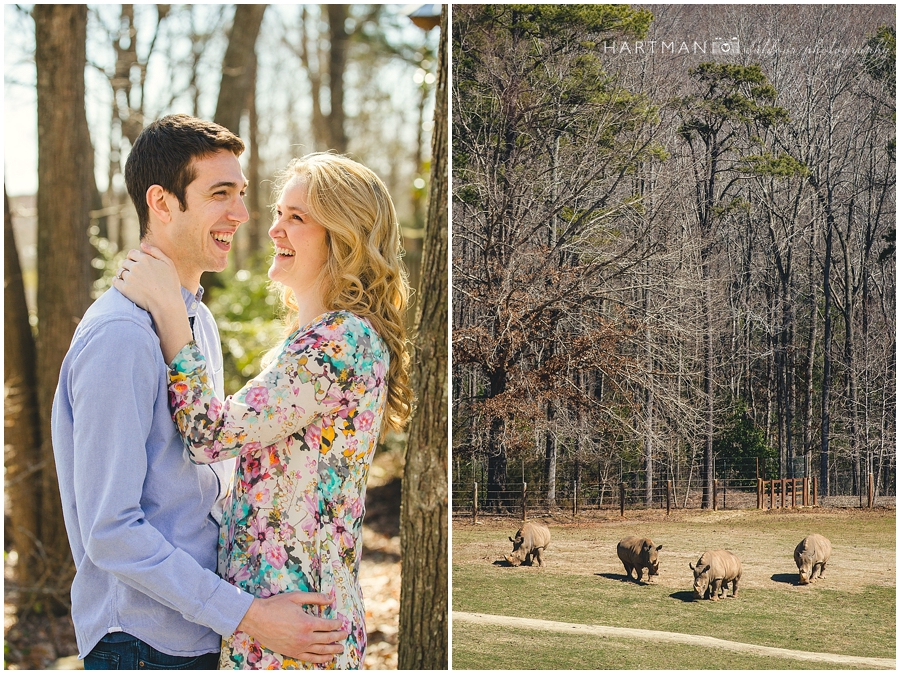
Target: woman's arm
(149, 280)
(321, 373)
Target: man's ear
(159, 203)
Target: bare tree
(337, 63)
(423, 527)
(21, 422)
(239, 66)
(65, 176)
(237, 94)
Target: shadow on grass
(504, 563)
(786, 578)
(685, 596)
(622, 578)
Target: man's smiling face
(200, 237)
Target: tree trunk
(337, 63)
(20, 420)
(65, 189)
(424, 604)
(496, 472)
(307, 45)
(650, 402)
(708, 373)
(810, 353)
(551, 456)
(826, 370)
(256, 227)
(238, 66)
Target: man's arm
(113, 385)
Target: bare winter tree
(742, 328)
(65, 176)
(423, 526)
(22, 447)
(239, 66)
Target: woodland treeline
(359, 79)
(674, 242)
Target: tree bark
(65, 189)
(306, 48)
(424, 604)
(826, 368)
(238, 66)
(337, 63)
(20, 419)
(708, 390)
(551, 455)
(496, 472)
(257, 225)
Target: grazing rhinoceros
(811, 556)
(714, 570)
(528, 544)
(639, 554)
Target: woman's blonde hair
(363, 273)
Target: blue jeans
(123, 651)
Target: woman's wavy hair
(364, 273)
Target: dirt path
(672, 637)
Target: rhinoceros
(639, 553)
(811, 556)
(714, 571)
(532, 539)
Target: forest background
(673, 251)
(80, 84)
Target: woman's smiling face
(301, 243)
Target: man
(142, 520)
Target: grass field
(850, 612)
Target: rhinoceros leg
(537, 555)
(628, 568)
(715, 589)
(822, 570)
(734, 584)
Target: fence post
(759, 490)
(668, 496)
(793, 493)
(805, 491)
(622, 499)
(524, 509)
(871, 490)
(475, 504)
(771, 494)
(715, 495)
(815, 490)
(783, 490)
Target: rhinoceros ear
(511, 540)
(691, 565)
(658, 548)
(705, 569)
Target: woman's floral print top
(305, 431)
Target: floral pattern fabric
(304, 432)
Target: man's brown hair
(164, 155)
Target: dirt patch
(764, 540)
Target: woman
(306, 428)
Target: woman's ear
(158, 203)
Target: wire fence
(737, 486)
